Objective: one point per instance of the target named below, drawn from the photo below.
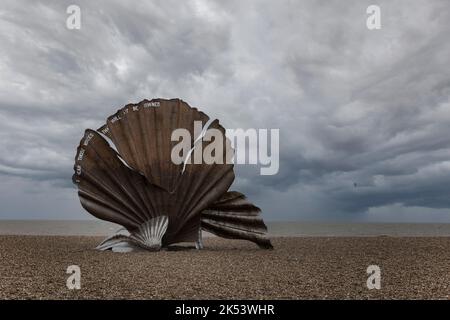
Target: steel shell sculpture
(125, 174)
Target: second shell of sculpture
(125, 174)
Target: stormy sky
(364, 115)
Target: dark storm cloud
(364, 116)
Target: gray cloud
(363, 115)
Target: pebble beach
(34, 267)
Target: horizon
(93, 219)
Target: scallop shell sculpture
(125, 175)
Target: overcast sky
(354, 106)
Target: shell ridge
(196, 197)
(100, 200)
(145, 204)
(235, 227)
(105, 213)
(114, 178)
(100, 185)
(121, 182)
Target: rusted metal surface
(234, 217)
(139, 182)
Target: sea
(276, 229)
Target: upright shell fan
(125, 174)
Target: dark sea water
(290, 229)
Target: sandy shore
(34, 267)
